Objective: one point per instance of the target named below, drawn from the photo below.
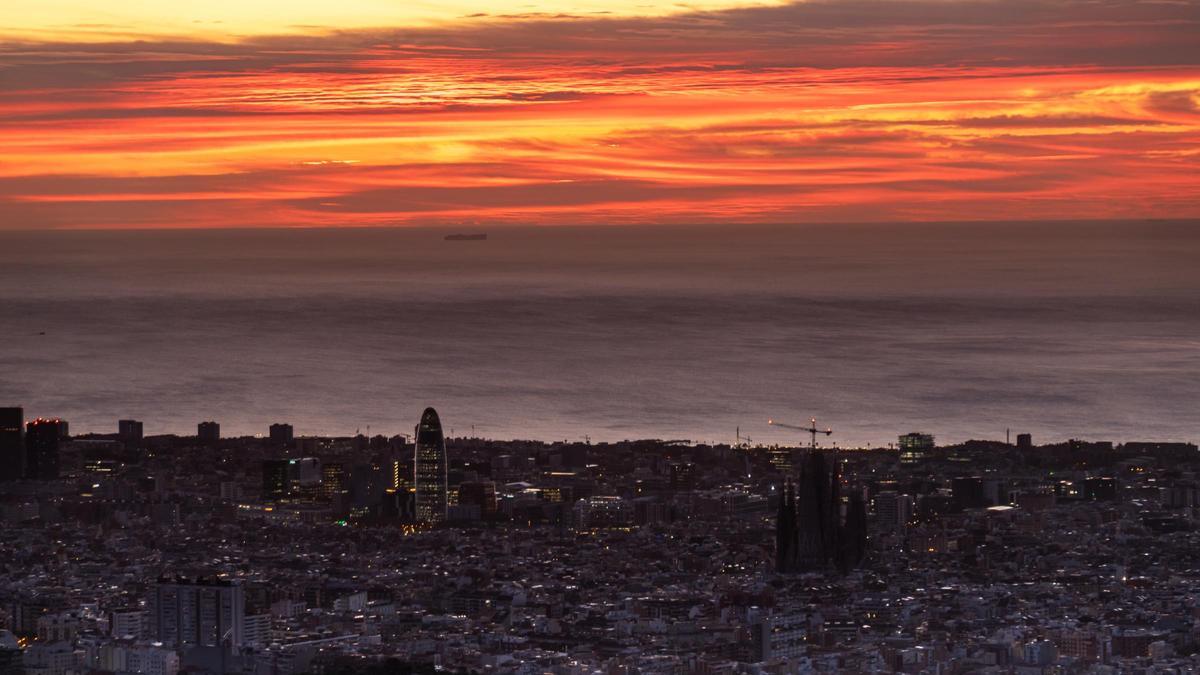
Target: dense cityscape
(285, 554)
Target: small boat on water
(466, 237)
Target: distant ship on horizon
(466, 237)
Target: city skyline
(290, 555)
(599, 337)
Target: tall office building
(281, 434)
(915, 447)
(481, 494)
(129, 432)
(429, 469)
(12, 443)
(333, 480)
(968, 492)
(197, 613)
(893, 511)
(42, 438)
(274, 479)
(208, 432)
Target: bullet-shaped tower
(429, 469)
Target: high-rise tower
(12, 443)
(200, 612)
(429, 469)
(42, 439)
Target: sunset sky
(235, 113)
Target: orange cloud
(823, 110)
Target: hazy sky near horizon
(135, 113)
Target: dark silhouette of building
(130, 432)
(208, 432)
(430, 469)
(281, 434)
(275, 479)
(853, 538)
(481, 494)
(810, 535)
(11, 661)
(1100, 489)
(1024, 441)
(42, 440)
(12, 443)
(395, 505)
(968, 492)
(683, 477)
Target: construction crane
(742, 441)
(811, 429)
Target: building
(275, 479)
(402, 474)
(809, 532)
(333, 480)
(683, 477)
(915, 447)
(208, 432)
(1024, 441)
(1100, 489)
(50, 658)
(281, 434)
(968, 492)
(142, 659)
(1040, 653)
(783, 460)
(893, 511)
(151, 660)
(777, 636)
(42, 439)
(58, 626)
(201, 612)
(129, 432)
(127, 623)
(12, 443)
(603, 511)
(304, 476)
(10, 654)
(481, 494)
(256, 629)
(430, 469)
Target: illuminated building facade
(430, 469)
(915, 447)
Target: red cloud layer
(837, 110)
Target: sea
(1085, 330)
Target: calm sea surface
(1063, 330)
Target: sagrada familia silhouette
(810, 534)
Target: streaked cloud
(821, 110)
